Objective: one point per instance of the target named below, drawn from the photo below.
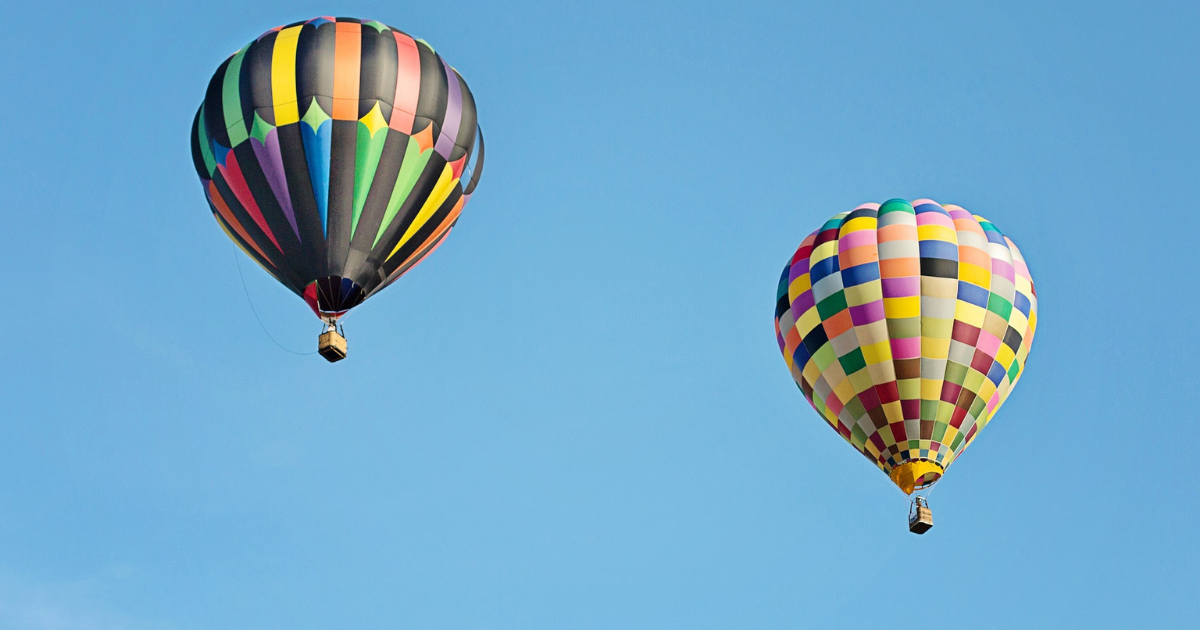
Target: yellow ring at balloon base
(910, 476)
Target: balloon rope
(930, 490)
(237, 259)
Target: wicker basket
(332, 346)
(920, 520)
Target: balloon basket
(920, 517)
(332, 345)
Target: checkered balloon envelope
(906, 325)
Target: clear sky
(574, 414)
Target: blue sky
(574, 414)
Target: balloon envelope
(337, 153)
(906, 326)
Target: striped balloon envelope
(906, 325)
(337, 153)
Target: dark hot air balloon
(338, 154)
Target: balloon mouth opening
(916, 475)
(333, 296)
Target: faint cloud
(121, 571)
(278, 454)
(74, 605)
(156, 344)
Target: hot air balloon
(337, 153)
(907, 325)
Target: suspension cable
(238, 260)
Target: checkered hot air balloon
(906, 326)
(338, 154)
